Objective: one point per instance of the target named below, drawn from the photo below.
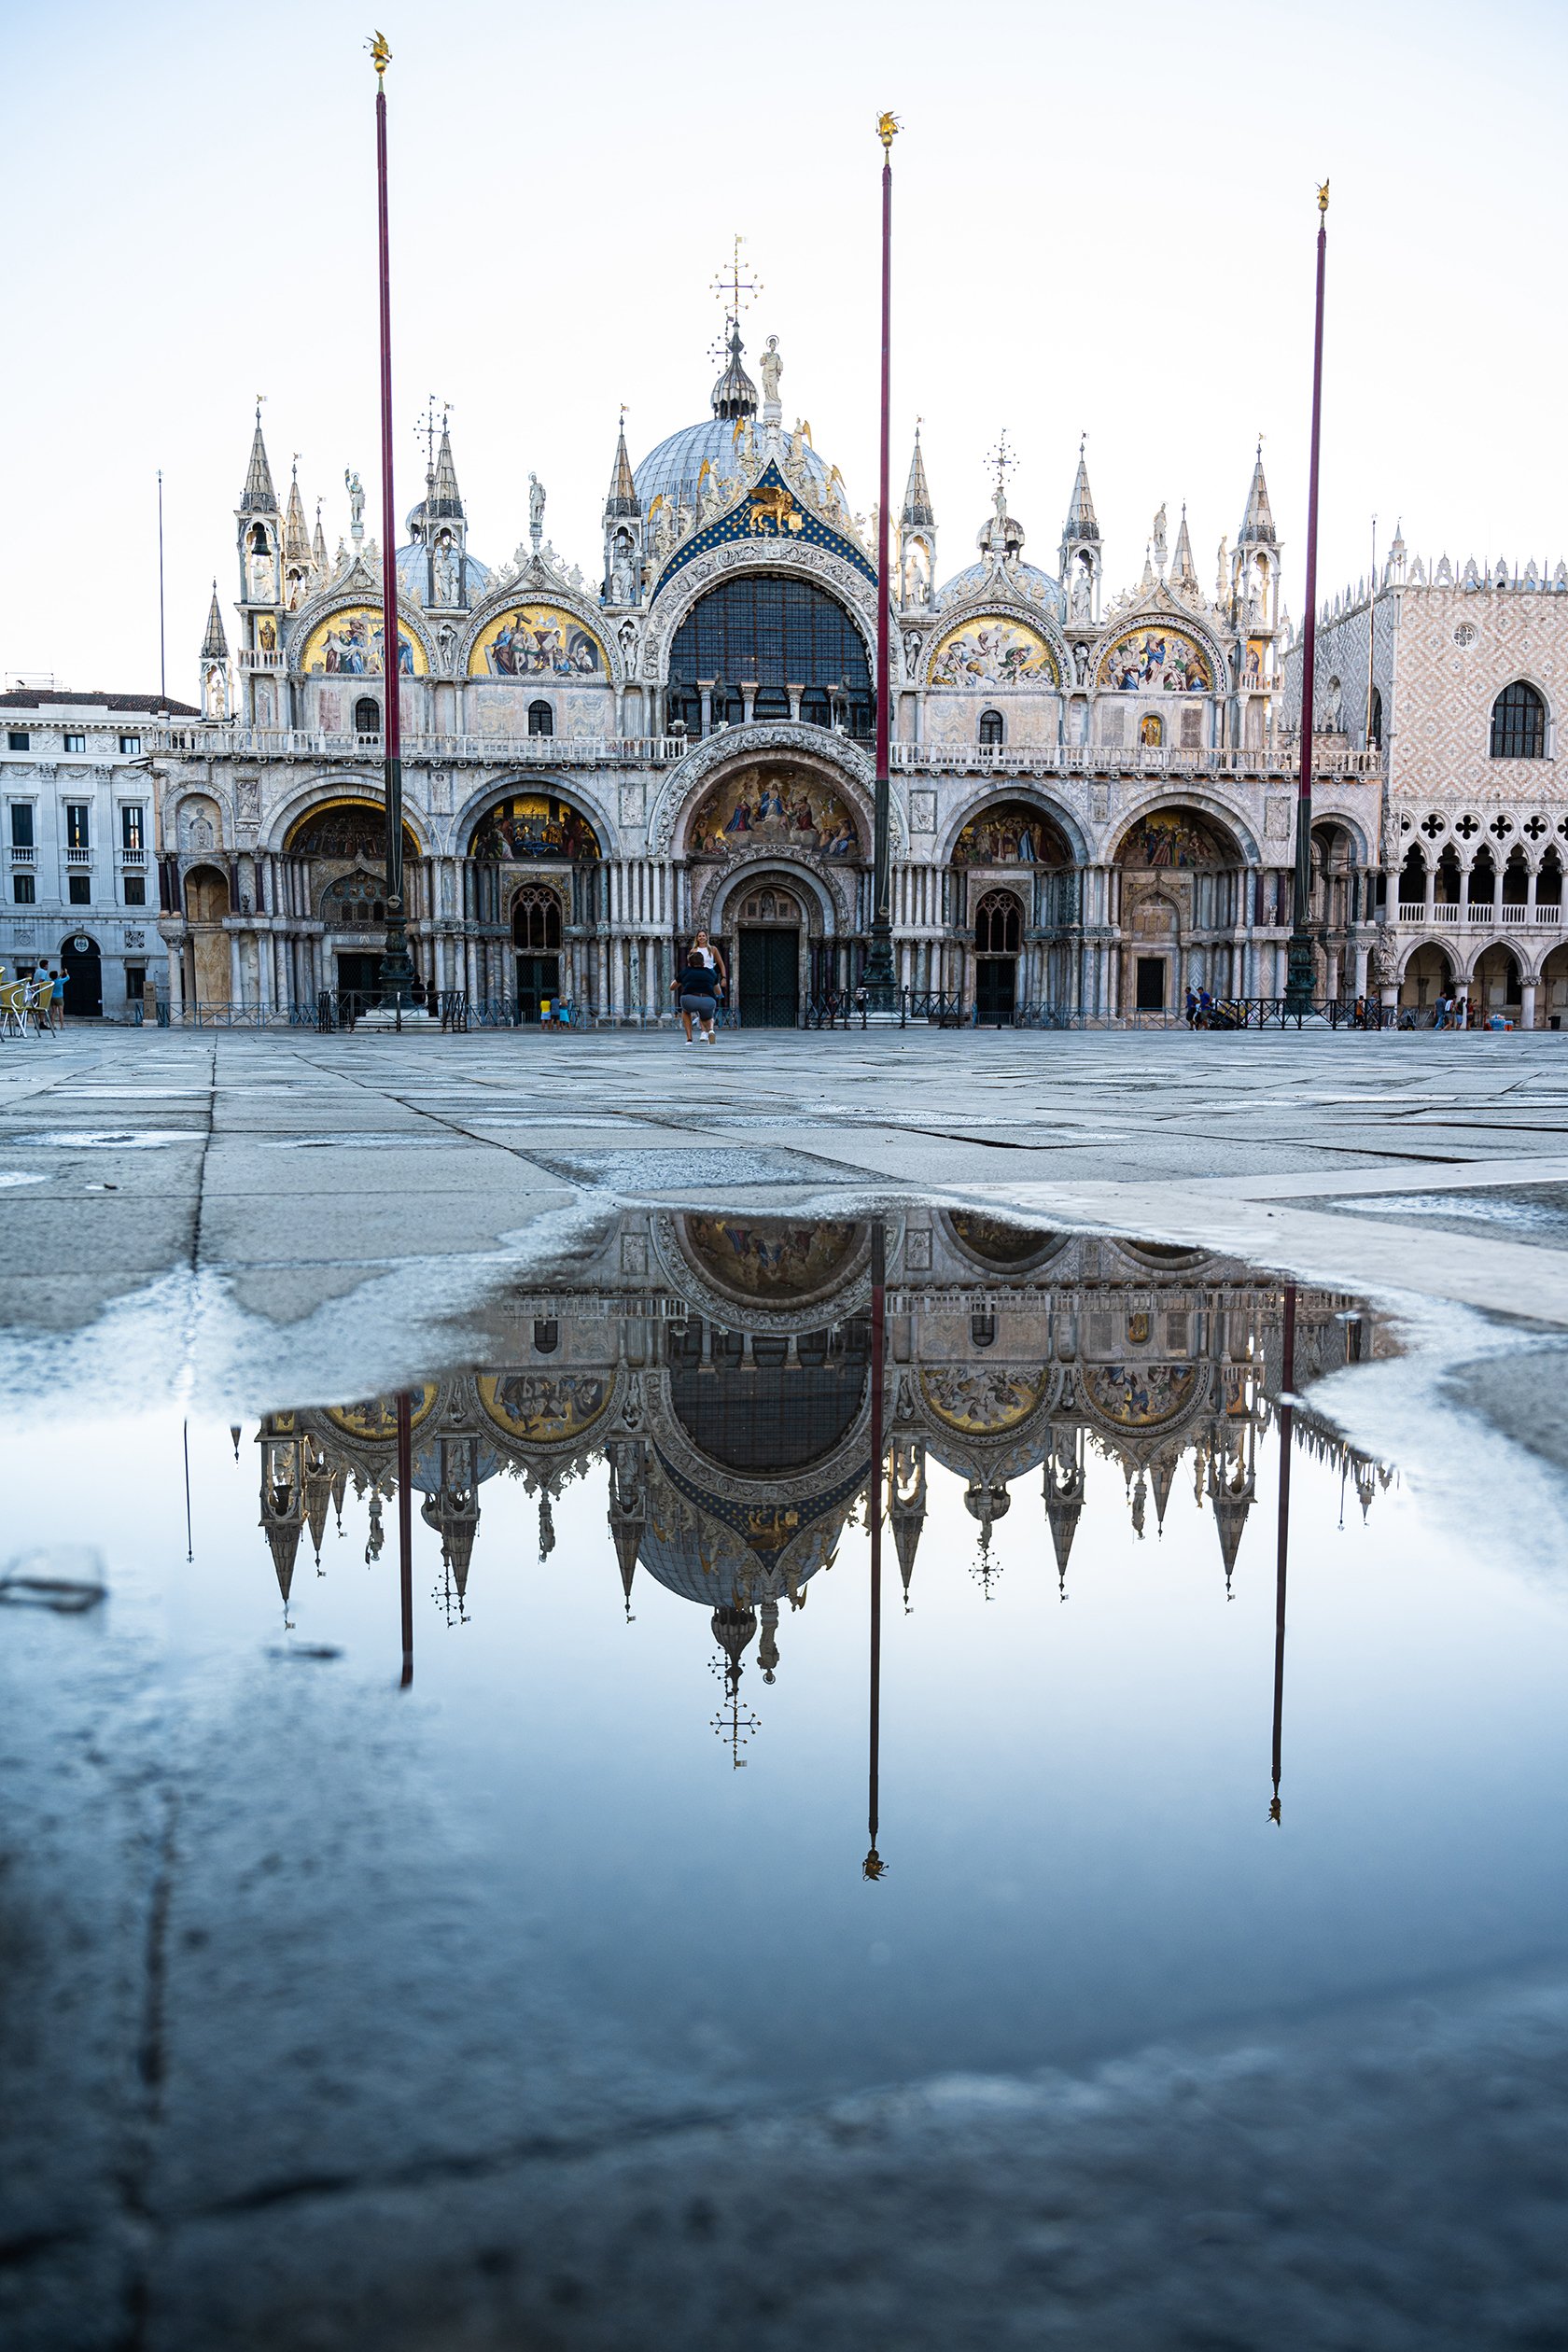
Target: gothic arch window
(546, 1336)
(1519, 723)
(536, 921)
(779, 633)
(367, 716)
(1377, 719)
(541, 719)
(992, 728)
(998, 925)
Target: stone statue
(1384, 958)
(623, 579)
(446, 569)
(536, 508)
(1080, 593)
(356, 489)
(1081, 663)
(772, 368)
(912, 652)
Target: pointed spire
(444, 501)
(917, 495)
(623, 498)
(318, 544)
(214, 648)
(296, 539)
(1183, 571)
(259, 497)
(1257, 523)
(282, 1542)
(1082, 521)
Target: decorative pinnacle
(874, 1866)
(888, 129)
(381, 56)
(1322, 198)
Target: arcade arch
(1180, 900)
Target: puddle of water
(22, 1176)
(69, 1139)
(1533, 1213)
(781, 1811)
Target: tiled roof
(49, 698)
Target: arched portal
(1428, 976)
(82, 965)
(999, 940)
(769, 920)
(1180, 885)
(537, 931)
(206, 908)
(1497, 985)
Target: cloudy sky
(1104, 222)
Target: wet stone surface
(612, 1883)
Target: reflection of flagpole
(405, 1526)
(184, 1441)
(1287, 1416)
(873, 1865)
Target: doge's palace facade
(1093, 796)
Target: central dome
(671, 471)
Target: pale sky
(1104, 223)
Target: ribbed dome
(672, 469)
(974, 577)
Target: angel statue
(356, 489)
(772, 368)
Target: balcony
(297, 743)
(1482, 915)
(133, 859)
(1134, 758)
(261, 657)
(78, 857)
(23, 856)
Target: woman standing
(695, 986)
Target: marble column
(1527, 1004)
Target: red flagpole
(879, 958)
(873, 1865)
(397, 970)
(1301, 972)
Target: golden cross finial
(888, 129)
(1001, 458)
(733, 290)
(1322, 198)
(381, 56)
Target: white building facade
(1092, 808)
(1458, 680)
(78, 841)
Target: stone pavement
(263, 1218)
(279, 1172)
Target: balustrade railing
(1100, 758)
(511, 751)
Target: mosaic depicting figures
(1012, 833)
(1171, 839)
(990, 1400)
(1139, 1397)
(538, 641)
(1155, 661)
(997, 1241)
(543, 1406)
(351, 645)
(993, 654)
(347, 830)
(374, 1418)
(772, 808)
(534, 825)
(773, 1262)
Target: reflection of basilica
(1090, 808)
(720, 1368)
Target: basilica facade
(1093, 794)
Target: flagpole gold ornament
(381, 56)
(1322, 198)
(888, 127)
